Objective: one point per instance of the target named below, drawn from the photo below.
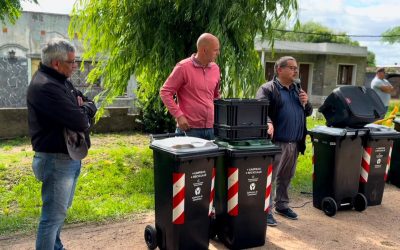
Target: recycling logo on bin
(197, 191)
(252, 178)
(198, 181)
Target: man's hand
(270, 130)
(182, 123)
(303, 97)
(80, 100)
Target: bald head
(205, 39)
(207, 48)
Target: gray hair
(56, 49)
(282, 62)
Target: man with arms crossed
(54, 105)
(382, 87)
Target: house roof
(312, 48)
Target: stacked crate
(240, 119)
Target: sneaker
(288, 213)
(271, 221)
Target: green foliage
(148, 37)
(392, 35)
(371, 59)
(10, 9)
(313, 32)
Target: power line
(328, 34)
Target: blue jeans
(205, 133)
(58, 174)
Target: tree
(391, 35)
(10, 9)
(148, 37)
(371, 59)
(313, 32)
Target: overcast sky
(355, 17)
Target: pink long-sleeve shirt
(196, 87)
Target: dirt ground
(378, 227)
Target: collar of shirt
(280, 86)
(196, 63)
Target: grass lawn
(116, 181)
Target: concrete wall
(115, 120)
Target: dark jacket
(52, 106)
(271, 92)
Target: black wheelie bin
(184, 172)
(377, 149)
(242, 192)
(336, 169)
(394, 171)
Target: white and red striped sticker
(212, 194)
(233, 189)
(178, 200)
(388, 162)
(365, 164)
(268, 189)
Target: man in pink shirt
(195, 82)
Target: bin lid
(381, 131)
(184, 144)
(337, 131)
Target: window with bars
(345, 74)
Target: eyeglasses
(292, 68)
(71, 62)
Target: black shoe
(271, 220)
(288, 213)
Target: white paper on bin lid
(185, 144)
(330, 131)
(377, 128)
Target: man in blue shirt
(288, 109)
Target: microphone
(297, 82)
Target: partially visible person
(195, 82)
(54, 107)
(382, 87)
(288, 109)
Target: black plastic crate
(241, 112)
(240, 132)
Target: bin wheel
(360, 202)
(150, 236)
(329, 206)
